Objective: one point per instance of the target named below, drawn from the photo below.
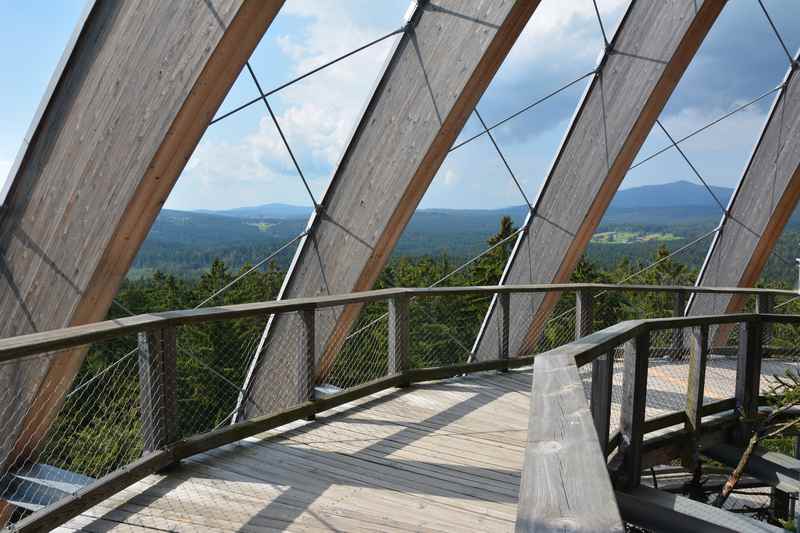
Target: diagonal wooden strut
(650, 51)
(759, 209)
(135, 94)
(439, 68)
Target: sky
(241, 161)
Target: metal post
(158, 387)
(600, 401)
(764, 305)
(679, 307)
(306, 356)
(698, 359)
(398, 336)
(584, 313)
(504, 322)
(748, 371)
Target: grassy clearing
(628, 237)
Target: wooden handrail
(60, 339)
(563, 443)
(561, 370)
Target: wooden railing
(556, 375)
(567, 484)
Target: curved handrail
(565, 483)
(579, 352)
(34, 343)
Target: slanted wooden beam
(439, 69)
(759, 209)
(651, 49)
(135, 94)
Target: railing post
(600, 401)
(158, 387)
(632, 410)
(584, 313)
(698, 357)
(505, 327)
(679, 306)
(748, 369)
(764, 305)
(306, 356)
(398, 336)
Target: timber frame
(438, 70)
(646, 58)
(567, 484)
(764, 199)
(131, 98)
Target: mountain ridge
(680, 193)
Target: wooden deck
(443, 456)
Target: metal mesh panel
(363, 355)
(98, 427)
(212, 361)
(443, 329)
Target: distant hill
(186, 242)
(675, 194)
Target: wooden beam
(47, 341)
(759, 209)
(775, 469)
(565, 485)
(584, 314)
(398, 335)
(439, 69)
(748, 368)
(695, 389)
(600, 403)
(651, 49)
(158, 388)
(135, 95)
(307, 356)
(662, 511)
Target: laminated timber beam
(649, 53)
(132, 96)
(760, 207)
(438, 70)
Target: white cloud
(737, 132)
(561, 32)
(450, 178)
(317, 114)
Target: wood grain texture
(438, 457)
(632, 410)
(137, 92)
(432, 82)
(652, 47)
(565, 483)
(759, 209)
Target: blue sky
(240, 160)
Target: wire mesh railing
(163, 388)
(667, 391)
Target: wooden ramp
(443, 456)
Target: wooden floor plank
(440, 456)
